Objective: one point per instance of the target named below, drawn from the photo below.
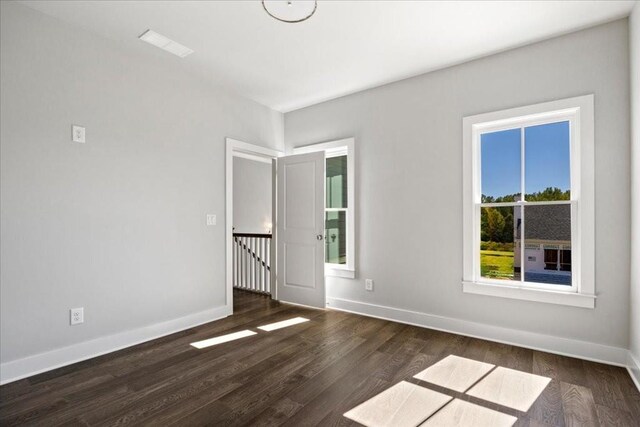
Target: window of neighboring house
(529, 188)
(551, 259)
(557, 259)
(565, 260)
(339, 205)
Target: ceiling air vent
(165, 43)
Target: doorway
(252, 224)
(289, 262)
(250, 252)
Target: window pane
(547, 244)
(547, 165)
(336, 188)
(496, 246)
(500, 166)
(336, 237)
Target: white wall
(634, 28)
(251, 196)
(116, 225)
(409, 180)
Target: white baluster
(244, 263)
(252, 263)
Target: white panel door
(300, 229)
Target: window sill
(339, 272)
(539, 295)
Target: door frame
(236, 148)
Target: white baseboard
(38, 363)
(633, 366)
(32, 365)
(566, 347)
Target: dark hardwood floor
(307, 374)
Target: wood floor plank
(520, 359)
(417, 363)
(15, 390)
(615, 417)
(547, 410)
(571, 370)
(162, 399)
(579, 407)
(604, 387)
(34, 413)
(404, 353)
(442, 344)
(369, 388)
(631, 394)
(545, 364)
(174, 414)
(334, 369)
(277, 413)
(324, 403)
(498, 354)
(205, 416)
(475, 349)
(267, 349)
(42, 397)
(343, 367)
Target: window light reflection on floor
(455, 372)
(511, 388)
(460, 413)
(283, 324)
(222, 339)
(498, 385)
(506, 387)
(404, 404)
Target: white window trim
(331, 149)
(581, 111)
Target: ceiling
(347, 46)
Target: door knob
(319, 237)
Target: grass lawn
(496, 264)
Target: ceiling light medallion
(291, 11)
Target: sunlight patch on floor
(455, 372)
(408, 404)
(460, 413)
(283, 324)
(404, 404)
(222, 339)
(511, 388)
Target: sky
(546, 159)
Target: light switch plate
(78, 133)
(211, 219)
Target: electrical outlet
(211, 219)
(368, 285)
(77, 315)
(78, 134)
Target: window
(339, 205)
(565, 260)
(525, 192)
(528, 213)
(551, 259)
(336, 208)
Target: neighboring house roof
(548, 222)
